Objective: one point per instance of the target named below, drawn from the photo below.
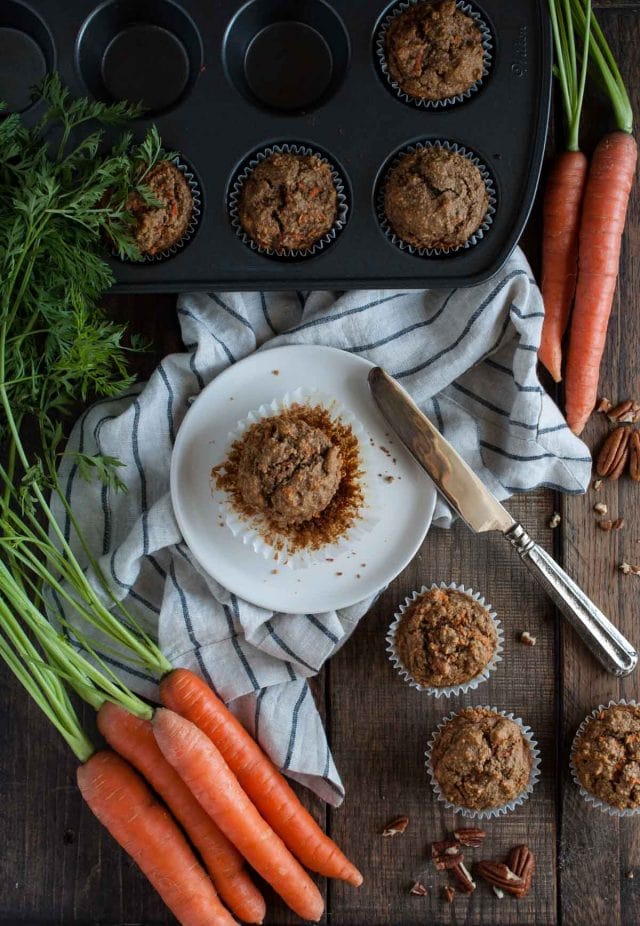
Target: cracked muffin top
(435, 198)
(289, 201)
(481, 759)
(160, 227)
(445, 638)
(434, 50)
(288, 470)
(607, 756)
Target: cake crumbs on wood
(554, 520)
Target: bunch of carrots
(585, 209)
(220, 793)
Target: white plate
(406, 501)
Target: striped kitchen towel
(467, 356)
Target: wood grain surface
(58, 866)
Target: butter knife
(481, 511)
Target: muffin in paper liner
(487, 812)
(421, 103)
(288, 253)
(462, 687)
(473, 239)
(192, 227)
(586, 795)
(251, 529)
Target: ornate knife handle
(607, 644)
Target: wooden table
(59, 866)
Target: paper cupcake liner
(437, 252)
(488, 812)
(463, 687)
(192, 227)
(284, 253)
(588, 797)
(394, 86)
(251, 530)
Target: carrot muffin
(434, 50)
(289, 201)
(607, 756)
(481, 759)
(445, 638)
(288, 470)
(160, 227)
(435, 198)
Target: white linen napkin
(468, 357)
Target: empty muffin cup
(576, 758)
(480, 642)
(326, 237)
(192, 225)
(391, 17)
(487, 812)
(395, 237)
(322, 506)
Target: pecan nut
(395, 826)
(466, 884)
(446, 854)
(419, 890)
(634, 456)
(522, 863)
(448, 893)
(471, 836)
(624, 412)
(497, 874)
(613, 456)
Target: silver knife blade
(453, 477)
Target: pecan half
(624, 412)
(628, 568)
(446, 854)
(522, 863)
(614, 453)
(395, 826)
(497, 874)
(471, 836)
(634, 456)
(466, 884)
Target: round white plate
(406, 501)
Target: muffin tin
(225, 81)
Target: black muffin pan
(225, 80)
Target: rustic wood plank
(597, 851)
(380, 727)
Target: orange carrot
(189, 695)
(562, 201)
(124, 805)
(133, 739)
(604, 213)
(214, 785)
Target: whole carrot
(561, 218)
(563, 197)
(604, 213)
(132, 737)
(214, 785)
(124, 805)
(187, 694)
